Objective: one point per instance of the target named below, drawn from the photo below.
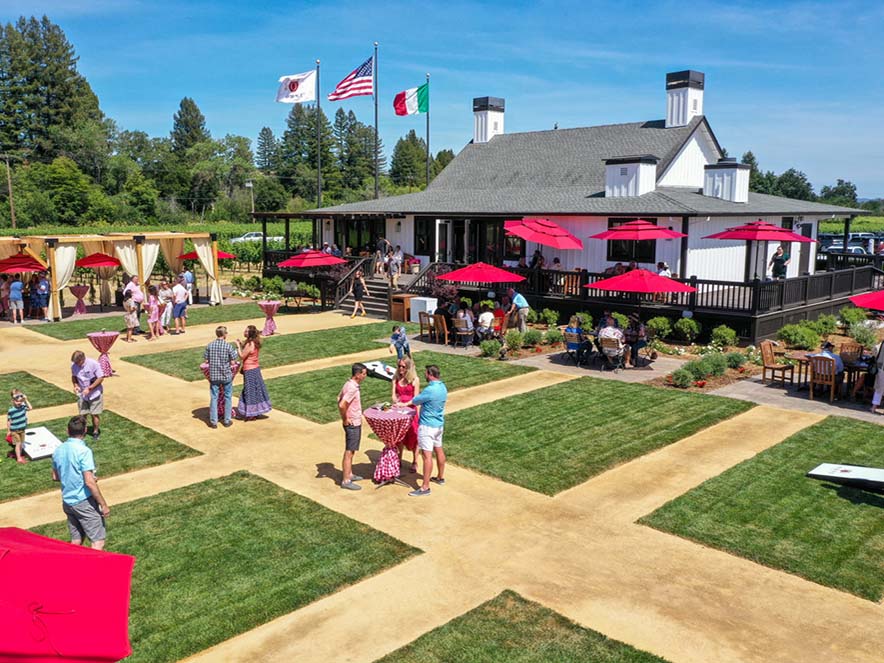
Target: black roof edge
(635, 158)
(728, 165)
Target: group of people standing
(164, 304)
(19, 300)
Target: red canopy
(872, 300)
(641, 280)
(21, 262)
(760, 231)
(222, 255)
(480, 272)
(98, 260)
(543, 231)
(638, 230)
(62, 602)
(309, 259)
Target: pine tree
(188, 127)
(298, 154)
(267, 154)
(443, 158)
(408, 166)
(794, 184)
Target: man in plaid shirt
(221, 356)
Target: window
(627, 250)
(513, 248)
(425, 236)
(788, 222)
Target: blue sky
(800, 84)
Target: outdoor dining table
(802, 363)
(79, 291)
(390, 426)
(270, 307)
(222, 400)
(103, 341)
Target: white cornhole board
(855, 476)
(378, 369)
(39, 443)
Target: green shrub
(735, 359)
(550, 317)
(863, 335)
(824, 325)
(715, 363)
(531, 338)
(467, 300)
(513, 340)
(490, 348)
(801, 337)
(253, 283)
(553, 336)
(697, 369)
(724, 337)
(682, 378)
(622, 319)
(687, 329)
(585, 319)
(532, 316)
(660, 326)
(852, 314)
(487, 302)
(237, 281)
(273, 286)
(308, 290)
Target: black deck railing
(848, 260)
(333, 282)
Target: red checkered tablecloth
(79, 291)
(103, 341)
(270, 308)
(390, 426)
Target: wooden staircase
(375, 303)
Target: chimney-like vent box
(684, 97)
(487, 118)
(632, 175)
(727, 180)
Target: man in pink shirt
(350, 408)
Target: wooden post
(139, 255)
(847, 223)
(214, 237)
(55, 296)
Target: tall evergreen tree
(408, 166)
(793, 183)
(442, 159)
(188, 127)
(298, 154)
(267, 153)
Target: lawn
(512, 629)
(557, 437)
(124, 446)
(201, 315)
(221, 557)
(314, 395)
(276, 350)
(39, 392)
(765, 509)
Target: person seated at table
(663, 270)
(467, 312)
(633, 265)
(636, 336)
(485, 328)
(581, 348)
(828, 350)
(611, 330)
(523, 264)
(442, 309)
(407, 385)
(462, 314)
(619, 269)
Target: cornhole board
(378, 369)
(39, 443)
(855, 476)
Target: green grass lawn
(314, 395)
(202, 315)
(124, 446)
(39, 392)
(557, 437)
(512, 629)
(276, 350)
(765, 509)
(221, 557)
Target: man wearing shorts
(74, 466)
(350, 408)
(87, 376)
(179, 306)
(431, 424)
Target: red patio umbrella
(481, 272)
(21, 262)
(62, 602)
(760, 231)
(641, 280)
(95, 260)
(309, 259)
(222, 255)
(639, 230)
(543, 231)
(872, 300)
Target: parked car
(254, 236)
(838, 247)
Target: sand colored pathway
(579, 553)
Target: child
(17, 422)
(153, 313)
(130, 316)
(399, 342)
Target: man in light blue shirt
(188, 283)
(431, 425)
(519, 307)
(85, 507)
(828, 350)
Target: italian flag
(413, 101)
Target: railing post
(806, 289)
(692, 300)
(756, 294)
(853, 280)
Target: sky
(798, 83)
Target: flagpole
(318, 145)
(428, 129)
(376, 120)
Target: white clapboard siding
(687, 167)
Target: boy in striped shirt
(17, 422)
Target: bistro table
(79, 291)
(222, 400)
(270, 308)
(390, 426)
(802, 362)
(103, 341)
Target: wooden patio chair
(463, 333)
(613, 352)
(851, 352)
(440, 326)
(499, 325)
(777, 371)
(822, 372)
(572, 339)
(426, 323)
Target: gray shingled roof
(563, 172)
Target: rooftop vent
(727, 180)
(632, 175)
(487, 118)
(684, 97)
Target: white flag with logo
(297, 88)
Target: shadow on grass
(857, 495)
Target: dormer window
(630, 175)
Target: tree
(298, 154)
(267, 154)
(408, 166)
(794, 184)
(270, 195)
(443, 158)
(842, 193)
(188, 127)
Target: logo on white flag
(297, 88)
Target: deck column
(847, 222)
(683, 259)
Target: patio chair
(614, 353)
(499, 327)
(572, 344)
(440, 326)
(822, 372)
(426, 322)
(463, 333)
(851, 352)
(769, 364)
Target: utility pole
(9, 188)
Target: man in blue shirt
(188, 283)
(828, 350)
(431, 425)
(74, 466)
(519, 307)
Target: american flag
(358, 82)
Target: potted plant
(413, 265)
